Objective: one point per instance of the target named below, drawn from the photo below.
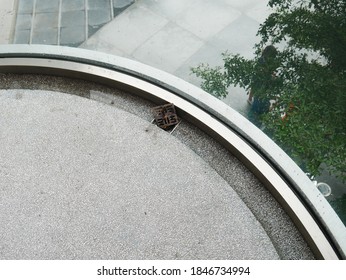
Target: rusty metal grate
(165, 116)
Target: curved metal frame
(311, 213)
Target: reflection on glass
(306, 115)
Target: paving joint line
(86, 20)
(112, 9)
(32, 21)
(59, 22)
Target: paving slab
(72, 35)
(130, 30)
(72, 18)
(121, 4)
(44, 21)
(244, 5)
(169, 59)
(98, 17)
(259, 11)
(23, 22)
(46, 36)
(169, 9)
(22, 36)
(25, 7)
(47, 6)
(238, 37)
(7, 16)
(207, 18)
(98, 4)
(75, 5)
(85, 180)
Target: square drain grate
(165, 116)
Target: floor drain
(165, 116)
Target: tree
(308, 119)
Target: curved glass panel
(176, 36)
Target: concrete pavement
(77, 183)
(7, 20)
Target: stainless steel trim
(304, 203)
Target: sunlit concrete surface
(81, 179)
(7, 20)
